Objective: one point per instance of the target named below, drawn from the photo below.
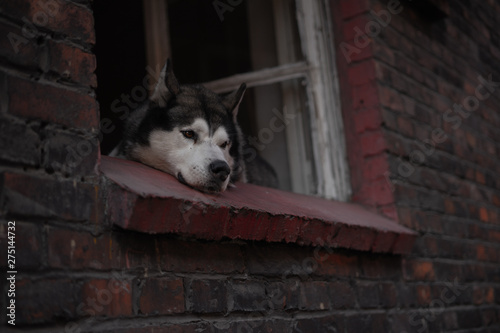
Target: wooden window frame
(318, 70)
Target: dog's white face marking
(187, 152)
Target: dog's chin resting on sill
(192, 133)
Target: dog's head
(191, 133)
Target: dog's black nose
(220, 169)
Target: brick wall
(76, 273)
(423, 121)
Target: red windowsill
(150, 201)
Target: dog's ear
(167, 85)
(232, 100)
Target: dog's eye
(224, 145)
(189, 134)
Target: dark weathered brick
(174, 328)
(366, 323)
(249, 296)
(470, 318)
(321, 324)
(67, 18)
(52, 104)
(72, 63)
(70, 154)
(28, 195)
(284, 295)
(108, 298)
(277, 260)
(341, 295)
(368, 295)
(160, 296)
(46, 300)
(314, 296)
(18, 49)
(77, 249)
(203, 257)
(208, 296)
(19, 143)
(27, 239)
(419, 270)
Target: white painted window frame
(317, 69)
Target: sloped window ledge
(147, 200)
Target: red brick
(361, 73)
(330, 323)
(483, 214)
(46, 197)
(27, 242)
(334, 264)
(186, 256)
(388, 294)
(209, 296)
(109, 298)
(52, 104)
(283, 295)
(375, 167)
(314, 296)
(418, 270)
(403, 244)
(353, 8)
(72, 63)
(174, 328)
(161, 296)
(355, 238)
(391, 99)
(373, 143)
(364, 96)
(277, 260)
(405, 126)
(77, 250)
(489, 295)
(424, 296)
(72, 155)
(496, 200)
(367, 322)
(19, 143)
(75, 21)
(375, 267)
(249, 296)
(477, 295)
(47, 300)
(374, 193)
(17, 48)
(367, 119)
(341, 295)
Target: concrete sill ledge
(147, 200)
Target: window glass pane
(207, 48)
(275, 119)
(204, 47)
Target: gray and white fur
(192, 133)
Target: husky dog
(191, 133)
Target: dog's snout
(220, 169)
